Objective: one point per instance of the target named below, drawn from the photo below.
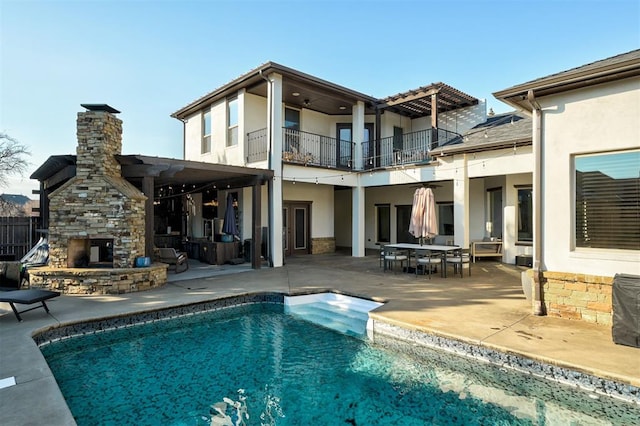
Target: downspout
(538, 304)
(269, 162)
(184, 138)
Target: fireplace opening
(90, 253)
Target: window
(232, 122)
(397, 138)
(445, 219)
(291, 119)
(206, 133)
(495, 212)
(607, 191)
(384, 223)
(291, 130)
(525, 215)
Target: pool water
(286, 371)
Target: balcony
(304, 148)
(405, 149)
(310, 149)
(316, 150)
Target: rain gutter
(538, 305)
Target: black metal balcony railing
(409, 148)
(316, 150)
(257, 149)
(323, 151)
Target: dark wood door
(296, 226)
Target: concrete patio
(488, 309)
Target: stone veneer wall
(99, 281)
(98, 202)
(323, 245)
(578, 296)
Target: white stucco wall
(193, 136)
(255, 112)
(220, 153)
(321, 197)
(603, 118)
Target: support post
(149, 233)
(357, 221)
(256, 230)
(274, 98)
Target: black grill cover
(626, 310)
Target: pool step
(348, 315)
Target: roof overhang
(298, 89)
(164, 171)
(306, 91)
(607, 70)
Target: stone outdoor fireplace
(97, 218)
(97, 204)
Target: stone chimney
(97, 218)
(99, 134)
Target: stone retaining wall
(99, 280)
(578, 296)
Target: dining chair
(459, 258)
(393, 255)
(427, 260)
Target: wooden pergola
(147, 173)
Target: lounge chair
(27, 297)
(10, 283)
(176, 260)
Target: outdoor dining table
(432, 247)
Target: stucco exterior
(597, 119)
(343, 196)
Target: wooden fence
(17, 236)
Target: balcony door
(296, 238)
(344, 136)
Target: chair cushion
(429, 260)
(396, 257)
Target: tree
(12, 158)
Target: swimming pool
(288, 372)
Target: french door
(296, 226)
(344, 145)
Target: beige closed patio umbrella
(424, 223)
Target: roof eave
(516, 96)
(254, 76)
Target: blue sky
(150, 58)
